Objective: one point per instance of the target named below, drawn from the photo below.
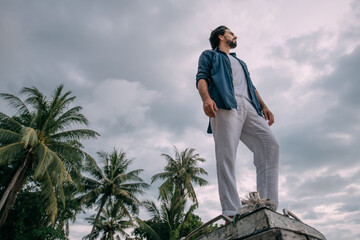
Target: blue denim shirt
(215, 68)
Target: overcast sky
(132, 66)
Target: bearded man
(237, 113)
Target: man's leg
(258, 137)
(226, 129)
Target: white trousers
(246, 125)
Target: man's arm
(208, 104)
(269, 116)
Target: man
(236, 112)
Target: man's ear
(221, 37)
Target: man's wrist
(207, 99)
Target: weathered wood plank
(265, 224)
(278, 234)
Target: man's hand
(269, 116)
(210, 107)
(208, 104)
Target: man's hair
(214, 36)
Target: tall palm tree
(171, 214)
(112, 220)
(112, 182)
(37, 142)
(180, 173)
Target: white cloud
(118, 101)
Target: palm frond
(43, 160)
(190, 211)
(162, 175)
(165, 188)
(58, 101)
(7, 136)
(35, 98)
(71, 156)
(91, 197)
(135, 188)
(48, 191)
(168, 157)
(16, 103)
(148, 229)
(129, 176)
(10, 152)
(29, 137)
(58, 167)
(57, 104)
(72, 116)
(120, 193)
(60, 192)
(77, 134)
(92, 168)
(152, 209)
(200, 181)
(10, 123)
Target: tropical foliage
(47, 179)
(28, 219)
(181, 173)
(112, 220)
(112, 183)
(170, 216)
(172, 220)
(37, 143)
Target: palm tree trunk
(12, 183)
(67, 229)
(97, 216)
(14, 180)
(13, 195)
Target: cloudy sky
(132, 66)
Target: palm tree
(180, 173)
(113, 181)
(71, 209)
(112, 220)
(37, 143)
(171, 215)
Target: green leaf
(7, 136)
(16, 103)
(48, 191)
(148, 229)
(9, 123)
(43, 160)
(77, 134)
(29, 137)
(10, 152)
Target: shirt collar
(218, 50)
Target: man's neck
(224, 48)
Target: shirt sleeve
(204, 67)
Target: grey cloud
(351, 205)
(311, 214)
(321, 186)
(101, 41)
(308, 148)
(134, 47)
(331, 139)
(344, 82)
(272, 80)
(304, 49)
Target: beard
(232, 44)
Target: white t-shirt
(239, 81)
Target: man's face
(230, 38)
